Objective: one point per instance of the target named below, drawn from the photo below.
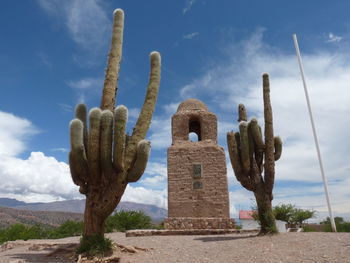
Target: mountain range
(55, 213)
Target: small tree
(300, 215)
(103, 158)
(284, 212)
(253, 158)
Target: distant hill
(10, 216)
(78, 206)
(73, 206)
(9, 202)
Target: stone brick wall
(211, 198)
(199, 223)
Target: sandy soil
(287, 247)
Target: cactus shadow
(58, 253)
(223, 238)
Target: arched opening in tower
(195, 130)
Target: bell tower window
(195, 129)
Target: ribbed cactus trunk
(94, 224)
(265, 213)
(253, 159)
(103, 158)
(94, 216)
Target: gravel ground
(287, 247)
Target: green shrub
(128, 220)
(341, 227)
(158, 226)
(95, 245)
(22, 232)
(308, 229)
(284, 212)
(67, 229)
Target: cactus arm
(242, 113)
(269, 165)
(76, 172)
(255, 130)
(77, 156)
(234, 155)
(81, 113)
(142, 155)
(111, 78)
(94, 145)
(106, 143)
(256, 133)
(278, 148)
(120, 120)
(251, 143)
(236, 161)
(245, 158)
(144, 119)
(259, 154)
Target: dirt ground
(287, 247)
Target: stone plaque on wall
(197, 185)
(197, 170)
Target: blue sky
(53, 55)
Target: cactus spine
(253, 159)
(103, 159)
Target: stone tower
(197, 181)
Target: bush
(128, 220)
(284, 212)
(96, 245)
(308, 229)
(341, 227)
(22, 232)
(67, 229)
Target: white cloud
(191, 35)
(63, 150)
(189, 4)
(146, 196)
(331, 38)
(86, 21)
(238, 80)
(86, 87)
(14, 132)
(65, 107)
(160, 131)
(155, 174)
(41, 178)
(133, 113)
(38, 178)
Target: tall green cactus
(253, 158)
(103, 158)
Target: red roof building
(246, 214)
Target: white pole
(334, 228)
